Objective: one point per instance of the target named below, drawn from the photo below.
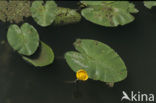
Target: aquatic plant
(108, 13)
(14, 11)
(45, 56)
(149, 4)
(44, 15)
(93, 59)
(99, 60)
(24, 40)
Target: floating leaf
(149, 4)
(99, 60)
(109, 14)
(66, 16)
(24, 40)
(44, 15)
(46, 56)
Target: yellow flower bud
(81, 75)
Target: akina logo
(138, 96)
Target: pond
(20, 82)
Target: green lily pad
(99, 60)
(149, 4)
(109, 14)
(44, 15)
(46, 57)
(24, 40)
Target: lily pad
(24, 40)
(109, 14)
(46, 57)
(99, 60)
(149, 4)
(44, 15)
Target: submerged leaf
(108, 13)
(24, 40)
(44, 15)
(3, 10)
(91, 3)
(14, 11)
(99, 60)
(149, 4)
(66, 16)
(46, 56)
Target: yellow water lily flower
(81, 75)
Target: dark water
(135, 43)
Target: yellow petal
(82, 75)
